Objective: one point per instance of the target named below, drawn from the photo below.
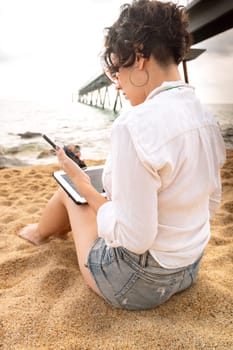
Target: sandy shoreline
(44, 303)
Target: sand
(44, 303)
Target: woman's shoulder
(136, 115)
(149, 115)
(163, 118)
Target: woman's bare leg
(84, 229)
(53, 222)
(60, 214)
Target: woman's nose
(117, 86)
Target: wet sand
(44, 303)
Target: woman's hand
(81, 180)
(76, 174)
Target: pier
(96, 93)
(207, 18)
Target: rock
(229, 132)
(10, 162)
(46, 153)
(12, 150)
(29, 135)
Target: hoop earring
(138, 78)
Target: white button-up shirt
(163, 177)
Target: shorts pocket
(141, 293)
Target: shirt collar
(168, 85)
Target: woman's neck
(159, 74)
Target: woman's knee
(62, 197)
(61, 194)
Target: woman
(145, 242)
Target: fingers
(67, 164)
(62, 157)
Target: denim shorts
(136, 282)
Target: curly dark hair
(147, 27)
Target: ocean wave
(22, 124)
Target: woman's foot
(30, 233)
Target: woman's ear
(140, 61)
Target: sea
(22, 123)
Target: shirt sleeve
(215, 198)
(130, 218)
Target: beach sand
(44, 303)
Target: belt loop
(143, 259)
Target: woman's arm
(130, 219)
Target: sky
(50, 48)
